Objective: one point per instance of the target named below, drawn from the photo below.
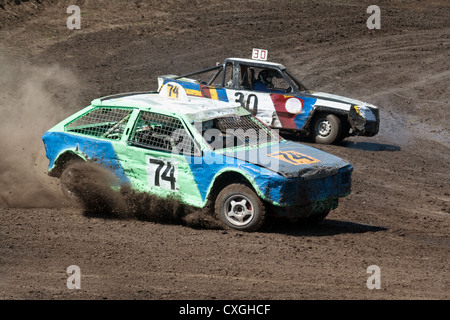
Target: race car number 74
(161, 173)
(172, 91)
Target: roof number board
(260, 54)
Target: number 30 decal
(251, 104)
(162, 174)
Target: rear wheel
(326, 129)
(240, 208)
(69, 178)
(90, 184)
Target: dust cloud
(101, 194)
(33, 99)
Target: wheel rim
(323, 128)
(238, 210)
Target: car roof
(196, 108)
(256, 62)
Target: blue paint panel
(308, 104)
(213, 163)
(222, 94)
(57, 142)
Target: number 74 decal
(162, 174)
(293, 157)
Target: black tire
(247, 213)
(89, 184)
(326, 129)
(68, 179)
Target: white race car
(277, 98)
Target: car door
(271, 96)
(156, 158)
(241, 91)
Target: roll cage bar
(294, 83)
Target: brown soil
(398, 214)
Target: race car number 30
(259, 54)
(162, 174)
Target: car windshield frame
(298, 84)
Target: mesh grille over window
(236, 131)
(162, 132)
(106, 123)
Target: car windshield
(300, 86)
(236, 131)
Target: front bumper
(364, 120)
(295, 212)
(314, 191)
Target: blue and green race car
(170, 144)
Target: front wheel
(326, 129)
(240, 208)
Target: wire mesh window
(161, 132)
(236, 131)
(107, 123)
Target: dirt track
(398, 214)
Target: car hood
(341, 99)
(292, 159)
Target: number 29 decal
(162, 174)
